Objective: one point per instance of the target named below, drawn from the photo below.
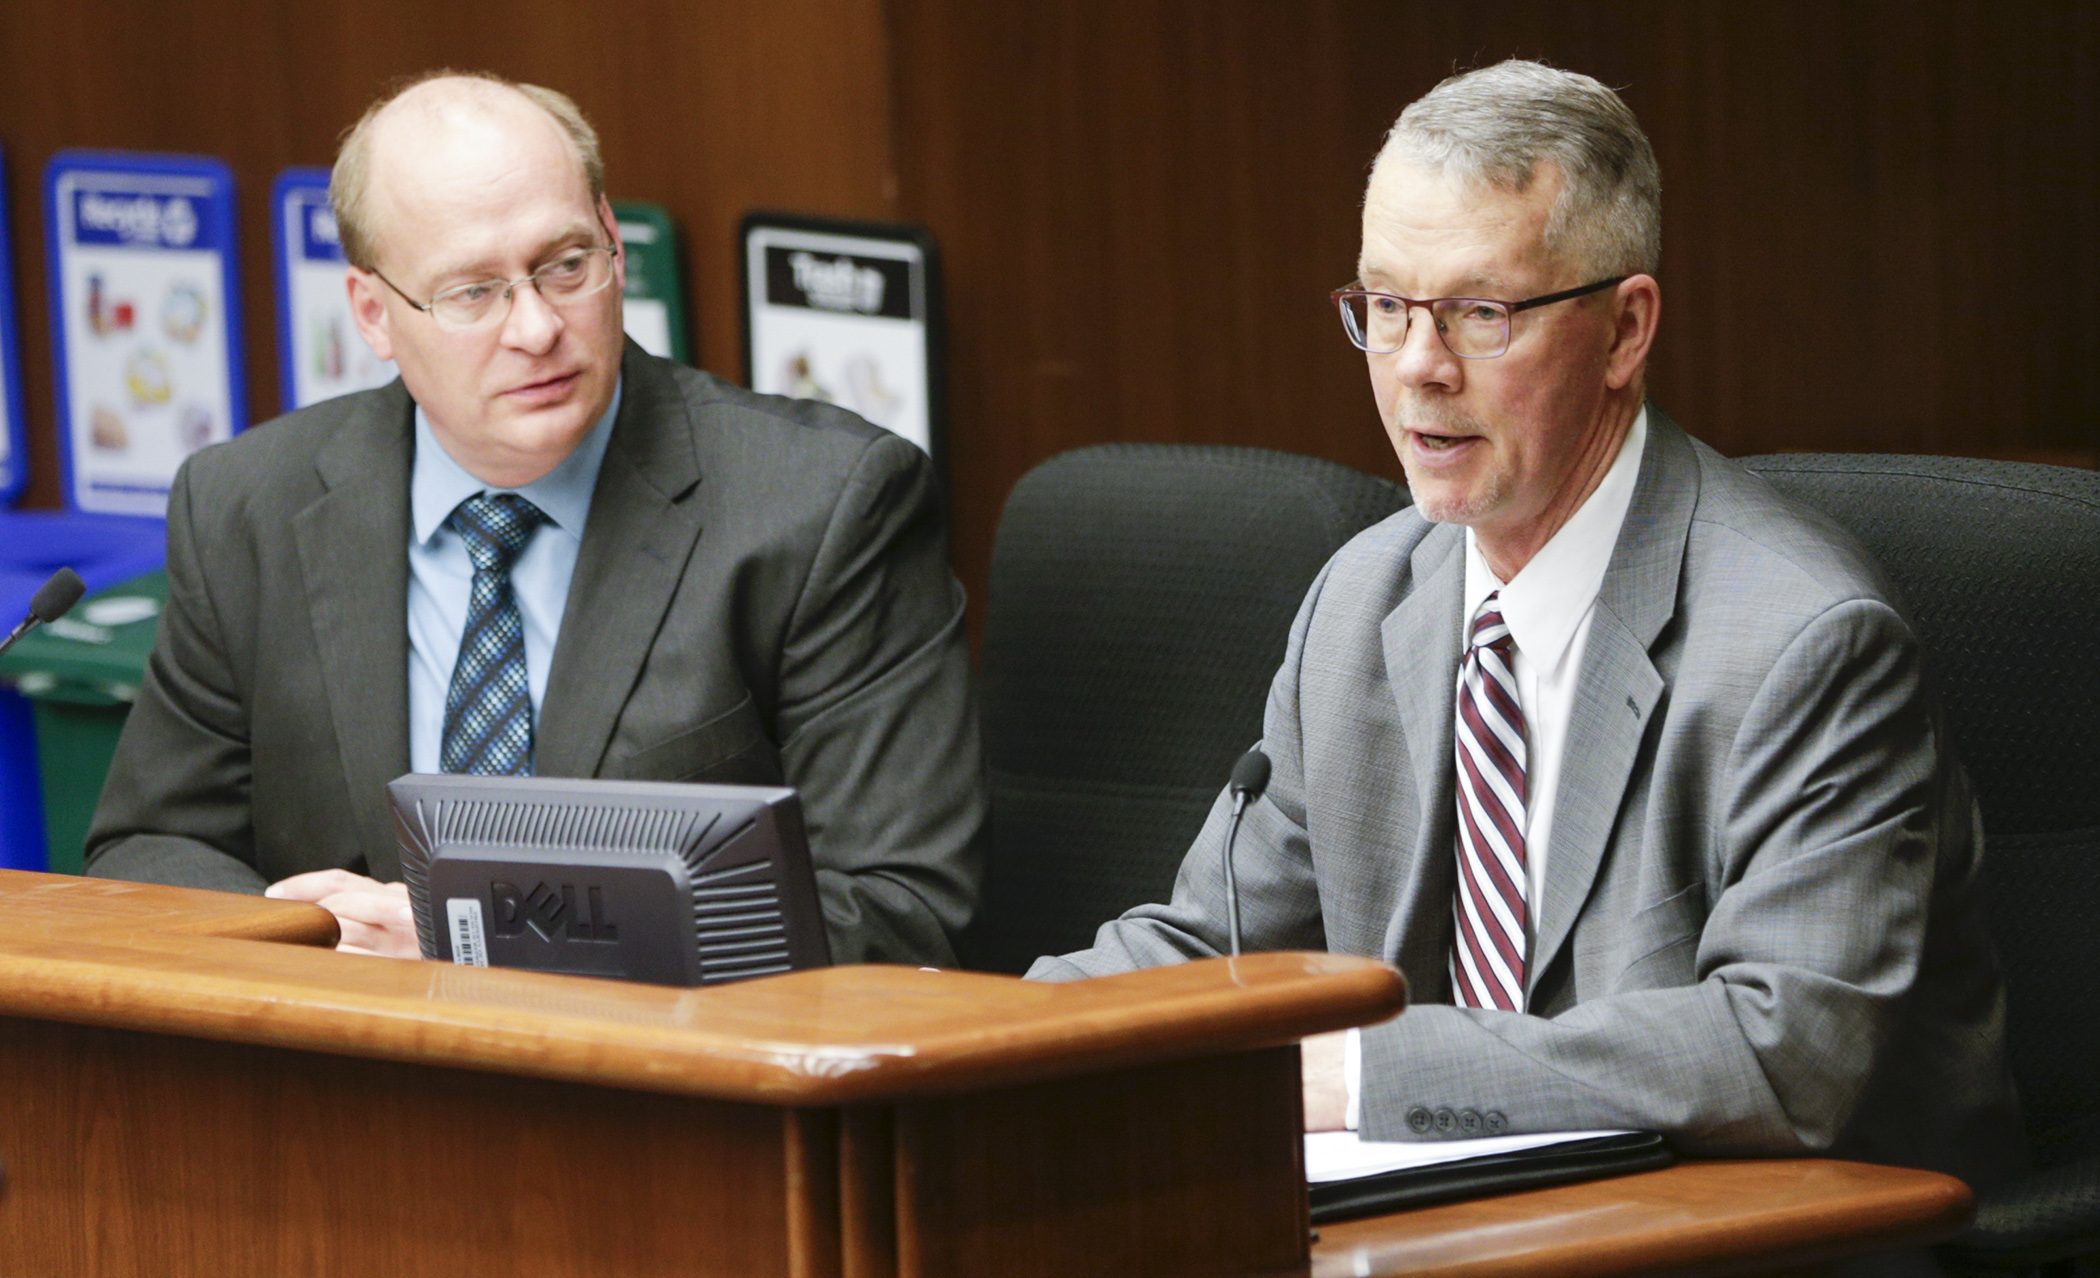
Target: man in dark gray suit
(1627, 762)
(542, 550)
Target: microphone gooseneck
(1250, 776)
(52, 600)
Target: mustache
(1434, 417)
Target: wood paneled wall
(1144, 202)
(1882, 226)
(708, 107)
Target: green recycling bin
(81, 673)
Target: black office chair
(1140, 599)
(2000, 563)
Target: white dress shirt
(441, 575)
(1549, 605)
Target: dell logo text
(551, 912)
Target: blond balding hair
(349, 184)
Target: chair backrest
(1140, 599)
(2000, 565)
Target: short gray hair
(349, 182)
(1500, 123)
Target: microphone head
(57, 596)
(1250, 776)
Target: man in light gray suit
(542, 550)
(1629, 764)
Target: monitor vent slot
(562, 825)
(705, 844)
(736, 916)
(418, 843)
(717, 973)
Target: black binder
(1589, 1159)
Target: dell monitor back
(654, 881)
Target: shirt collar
(439, 484)
(1546, 601)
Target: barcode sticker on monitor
(463, 915)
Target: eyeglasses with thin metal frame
(572, 276)
(1471, 327)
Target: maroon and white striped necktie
(1487, 957)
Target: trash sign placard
(320, 352)
(14, 451)
(145, 324)
(849, 313)
(654, 305)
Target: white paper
(647, 320)
(1332, 1156)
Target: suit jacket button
(1446, 1121)
(1470, 1122)
(1495, 1123)
(1418, 1120)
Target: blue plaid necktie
(488, 709)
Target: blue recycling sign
(145, 323)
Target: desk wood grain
(199, 1086)
(212, 965)
(1700, 1218)
(148, 1156)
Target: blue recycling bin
(21, 799)
(104, 550)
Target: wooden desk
(1733, 1217)
(195, 1085)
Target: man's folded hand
(375, 917)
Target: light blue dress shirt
(441, 576)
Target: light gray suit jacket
(762, 595)
(1761, 928)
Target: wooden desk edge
(1701, 1217)
(182, 962)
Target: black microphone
(1250, 776)
(52, 600)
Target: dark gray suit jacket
(1761, 927)
(762, 595)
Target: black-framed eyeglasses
(1472, 327)
(574, 274)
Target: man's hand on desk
(1326, 1091)
(375, 917)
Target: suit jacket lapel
(1618, 688)
(636, 541)
(1421, 660)
(358, 601)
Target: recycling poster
(141, 255)
(654, 303)
(14, 452)
(846, 312)
(320, 352)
